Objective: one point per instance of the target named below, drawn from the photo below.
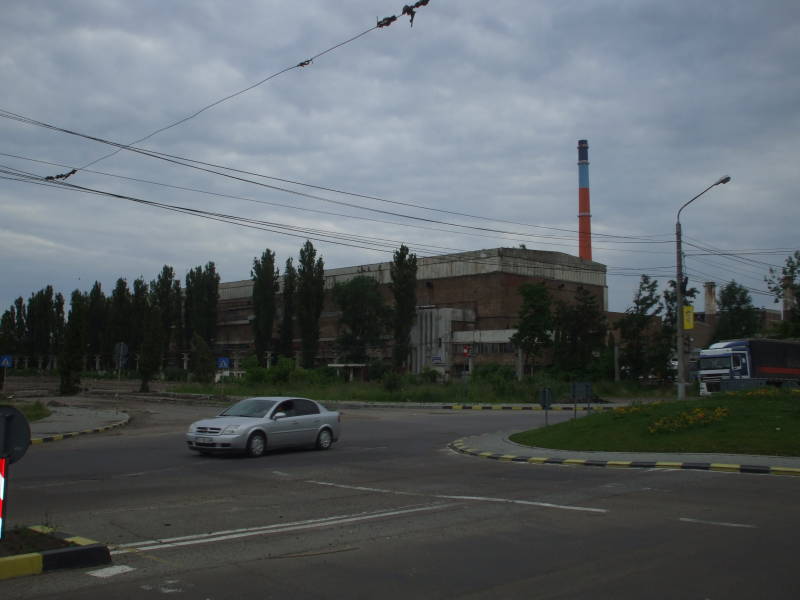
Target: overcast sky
(475, 110)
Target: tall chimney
(711, 299)
(584, 212)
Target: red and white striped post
(3, 463)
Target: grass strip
(760, 422)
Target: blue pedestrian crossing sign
(7, 361)
(223, 363)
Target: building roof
(542, 264)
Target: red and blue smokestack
(584, 211)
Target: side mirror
(278, 415)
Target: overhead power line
(323, 236)
(409, 10)
(207, 168)
(416, 226)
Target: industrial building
(469, 299)
(468, 303)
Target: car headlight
(230, 429)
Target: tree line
(577, 333)
(366, 320)
(131, 326)
(140, 327)
(157, 319)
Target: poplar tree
(363, 316)
(579, 332)
(310, 298)
(75, 343)
(288, 299)
(152, 344)
(119, 319)
(642, 347)
(140, 306)
(200, 301)
(403, 271)
(737, 317)
(167, 296)
(786, 283)
(203, 364)
(535, 321)
(265, 278)
(97, 320)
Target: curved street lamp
(679, 293)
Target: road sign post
(6, 362)
(546, 401)
(15, 437)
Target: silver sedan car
(255, 425)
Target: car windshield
(711, 363)
(252, 407)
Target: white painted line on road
(525, 503)
(111, 571)
(469, 498)
(718, 523)
(219, 536)
(360, 488)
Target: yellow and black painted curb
(84, 553)
(72, 434)
(460, 446)
(524, 407)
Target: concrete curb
(86, 553)
(461, 447)
(590, 407)
(72, 434)
(214, 401)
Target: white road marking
(470, 498)
(111, 571)
(219, 536)
(718, 523)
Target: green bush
(429, 376)
(175, 374)
(282, 371)
(392, 382)
(493, 372)
(501, 379)
(376, 370)
(256, 375)
(248, 362)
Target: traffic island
(34, 550)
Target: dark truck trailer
(738, 364)
(775, 359)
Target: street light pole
(679, 337)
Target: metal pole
(679, 333)
(679, 315)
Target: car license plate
(204, 440)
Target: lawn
(759, 422)
(34, 411)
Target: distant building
(469, 299)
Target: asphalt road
(390, 512)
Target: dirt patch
(25, 541)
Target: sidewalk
(72, 421)
(497, 446)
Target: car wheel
(324, 439)
(256, 445)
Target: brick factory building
(466, 299)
